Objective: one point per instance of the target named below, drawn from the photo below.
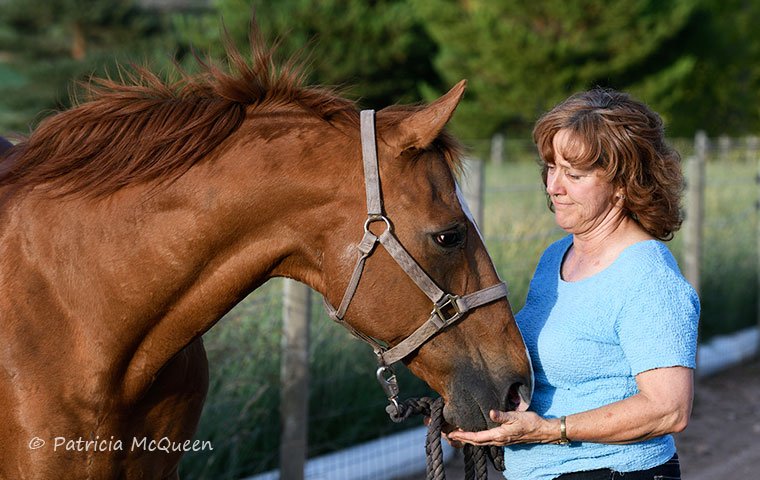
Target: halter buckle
(446, 311)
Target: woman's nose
(553, 183)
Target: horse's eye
(449, 238)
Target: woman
(610, 322)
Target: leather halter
(447, 308)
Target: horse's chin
(472, 415)
(470, 418)
(467, 413)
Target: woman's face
(582, 199)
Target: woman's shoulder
(649, 266)
(651, 257)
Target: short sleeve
(657, 327)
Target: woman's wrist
(556, 431)
(550, 432)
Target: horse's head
(477, 361)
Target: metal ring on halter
(377, 218)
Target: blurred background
(696, 62)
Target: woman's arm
(662, 406)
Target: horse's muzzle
(469, 402)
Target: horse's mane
(142, 128)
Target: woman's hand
(516, 427)
(662, 406)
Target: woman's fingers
(452, 442)
(504, 434)
(485, 437)
(501, 417)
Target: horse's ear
(419, 129)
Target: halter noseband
(447, 308)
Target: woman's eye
(449, 239)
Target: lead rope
(475, 467)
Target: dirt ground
(723, 437)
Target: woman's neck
(593, 251)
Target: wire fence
(344, 405)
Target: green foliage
(730, 246)
(46, 45)
(697, 62)
(523, 57)
(722, 92)
(377, 51)
(53, 29)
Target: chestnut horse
(134, 221)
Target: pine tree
(523, 57)
(45, 44)
(378, 51)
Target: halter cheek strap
(447, 308)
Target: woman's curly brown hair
(626, 139)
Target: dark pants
(669, 470)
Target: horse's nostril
(513, 397)
(518, 397)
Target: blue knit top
(588, 340)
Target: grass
(730, 259)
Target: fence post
(695, 189)
(724, 147)
(752, 143)
(753, 150)
(497, 149)
(294, 380)
(473, 185)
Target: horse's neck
(219, 232)
(147, 270)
